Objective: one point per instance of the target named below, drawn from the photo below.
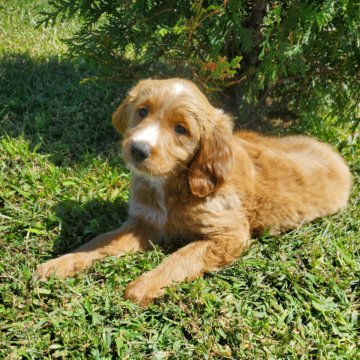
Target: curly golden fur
(197, 181)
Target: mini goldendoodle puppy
(197, 181)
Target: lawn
(62, 181)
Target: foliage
(278, 56)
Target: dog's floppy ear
(213, 162)
(121, 116)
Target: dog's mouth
(147, 168)
(140, 169)
(152, 168)
(149, 162)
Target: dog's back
(296, 179)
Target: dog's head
(169, 127)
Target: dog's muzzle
(140, 151)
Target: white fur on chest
(155, 214)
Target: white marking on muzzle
(148, 135)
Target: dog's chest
(148, 203)
(166, 211)
(177, 214)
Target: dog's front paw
(64, 266)
(143, 290)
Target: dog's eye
(180, 129)
(143, 112)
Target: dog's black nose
(140, 151)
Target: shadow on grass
(80, 222)
(50, 104)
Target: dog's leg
(187, 263)
(132, 236)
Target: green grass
(62, 182)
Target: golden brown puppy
(197, 181)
